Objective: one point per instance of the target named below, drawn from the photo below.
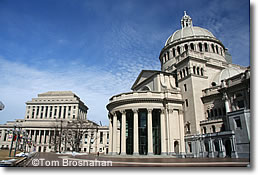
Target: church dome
(189, 31)
(225, 74)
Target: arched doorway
(228, 148)
(176, 147)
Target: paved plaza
(68, 160)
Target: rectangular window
(186, 102)
(86, 139)
(238, 123)
(185, 87)
(51, 109)
(59, 115)
(101, 138)
(64, 114)
(107, 138)
(46, 111)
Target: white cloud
(20, 83)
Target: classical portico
(146, 123)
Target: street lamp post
(14, 132)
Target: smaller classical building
(149, 120)
(56, 121)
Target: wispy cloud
(20, 83)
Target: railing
(144, 94)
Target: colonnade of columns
(199, 149)
(55, 111)
(166, 127)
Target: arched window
(213, 49)
(145, 88)
(187, 72)
(184, 72)
(213, 128)
(168, 55)
(188, 128)
(174, 52)
(217, 49)
(181, 76)
(192, 46)
(200, 47)
(201, 71)
(221, 52)
(176, 147)
(186, 47)
(194, 70)
(198, 71)
(206, 47)
(178, 50)
(204, 130)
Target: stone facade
(57, 121)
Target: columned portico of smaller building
(146, 128)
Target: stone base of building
(150, 154)
(234, 154)
(136, 154)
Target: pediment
(144, 75)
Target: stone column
(39, 112)
(233, 147)
(150, 136)
(211, 148)
(201, 148)
(62, 112)
(227, 106)
(2, 135)
(135, 133)
(44, 112)
(169, 114)
(48, 111)
(163, 132)
(38, 137)
(123, 136)
(114, 133)
(222, 152)
(66, 113)
(110, 145)
(181, 131)
(30, 114)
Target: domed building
(172, 111)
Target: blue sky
(97, 48)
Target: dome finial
(186, 21)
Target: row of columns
(165, 128)
(48, 113)
(176, 51)
(202, 152)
